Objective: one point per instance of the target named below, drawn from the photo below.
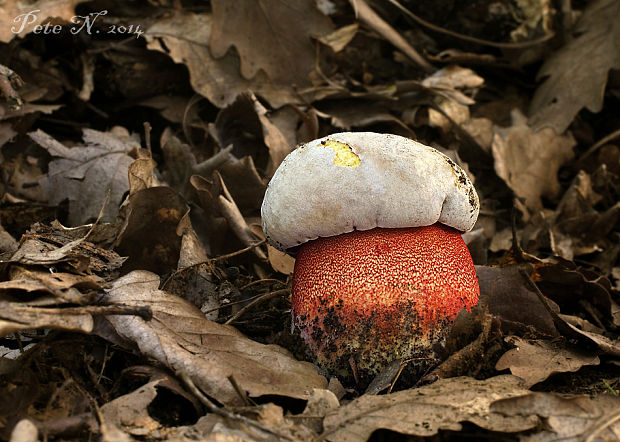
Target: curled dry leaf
(194, 279)
(27, 108)
(589, 340)
(319, 404)
(511, 301)
(6, 133)
(280, 261)
(65, 249)
(95, 244)
(272, 416)
(289, 121)
(182, 164)
(87, 175)
(244, 184)
(533, 17)
(141, 175)
(469, 356)
(215, 227)
(16, 317)
(535, 361)
(481, 130)
(180, 338)
(35, 297)
(7, 242)
(453, 77)
(237, 223)
(274, 139)
(577, 72)
(529, 161)
(149, 237)
(426, 410)
(445, 112)
(37, 251)
(606, 345)
(446, 85)
(297, 124)
(9, 83)
(62, 286)
(574, 418)
(246, 125)
(268, 35)
(581, 324)
(574, 288)
(346, 114)
(130, 411)
(615, 272)
(577, 227)
(341, 37)
(450, 105)
(185, 36)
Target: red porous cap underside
(389, 292)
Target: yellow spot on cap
(345, 157)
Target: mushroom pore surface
(379, 295)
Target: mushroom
(381, 270)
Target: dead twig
(615, 417)
(144, 311)
(241, 301)
(432, 27)
(239, 252)
(147, 135)
(229, 210)
(370, 18)
(258, 300)
(222, 412)
(518, 251)
(211, 260)
(562, 326)
(458, 363)
(207, 167)
(240, 392)
(606, 139)
(261, 281)
(70, 425)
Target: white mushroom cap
(362, 180)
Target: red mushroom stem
(381, 294)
